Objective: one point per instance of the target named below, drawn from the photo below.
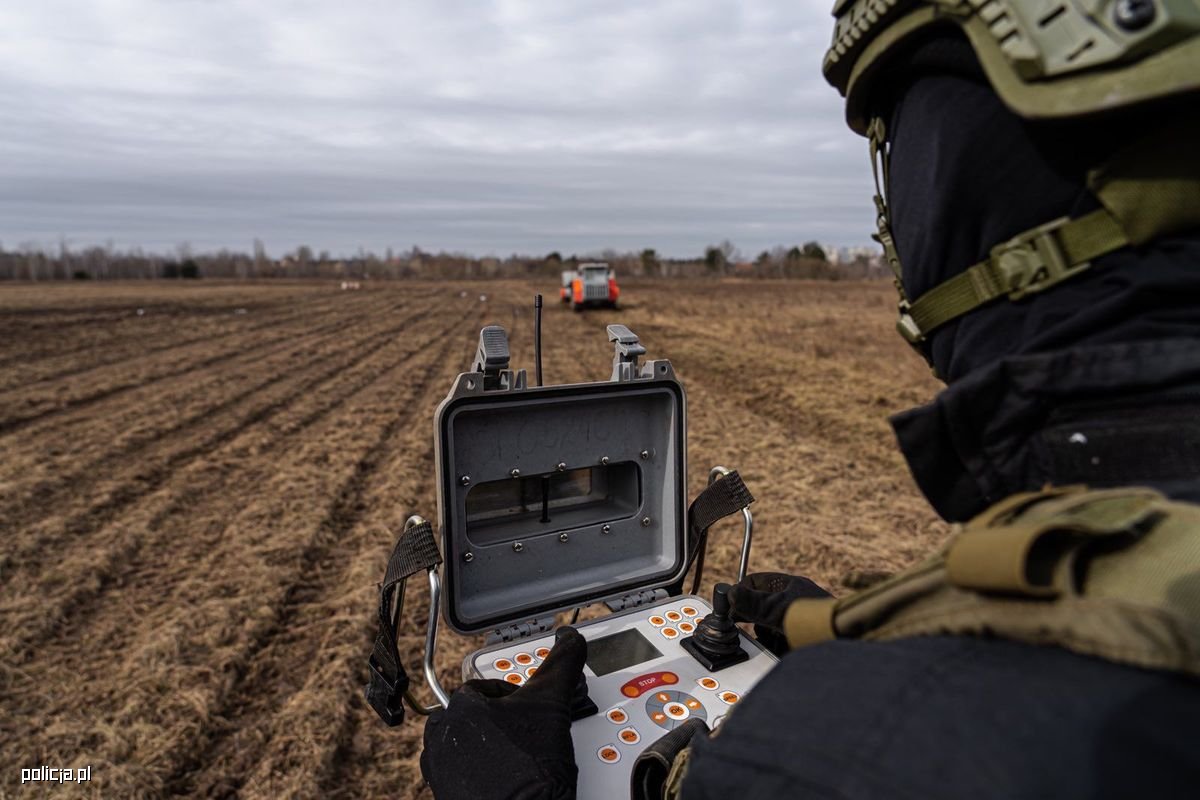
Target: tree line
(30, 263)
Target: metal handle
(431, 631)
(715, 474)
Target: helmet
(1044, 58)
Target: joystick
(716, 643)
(581, 704)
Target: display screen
(611, 653)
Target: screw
(561, 466)
(516, 473)
(645, 454)
(645, 522)
(465, 480)
(562, 537)
(606, 529)
(604, 460)
(518, 547)
(468, 557)
(1133, 15)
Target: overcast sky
(485, 127)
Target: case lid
(553, 497)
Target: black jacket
(1094, 381)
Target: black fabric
(967, 174)
(762, 598)
(952, 718)
(653, 766)
(415, 551)
(496, 741)
(1004, 428)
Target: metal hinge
(522, 630)
(637, 599)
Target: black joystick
(716, 643)
(581, 704)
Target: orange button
(514, 677)
(629, 691)
(609, 754)
(687, 627)
(670, 677)
(670, 633)
(524, 659)
(617, 716)
(658, 716)
(502, 664)
(630, 736)
(675, 711)
(674, 616)
(709, 683)
(692, 702)
(730, 697)
(657, 622)
(529, 673)
(691, 612)
(542, 652)
(662, 697)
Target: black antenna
(537, 339)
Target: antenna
(537, 339)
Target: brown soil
(197, 501)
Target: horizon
(460, 127)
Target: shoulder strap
(720, 499)
(415, 551)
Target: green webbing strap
(1028, 263)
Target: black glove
(496, 740)
(763, 598)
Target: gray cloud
(462, 125)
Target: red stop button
(651, 680)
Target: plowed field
(200, 486)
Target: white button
(676, 710)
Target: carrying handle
(388, 687)
(725, 494)
(715, 474)
(431, 633)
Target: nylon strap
(414, 552)
(1028, 263)
(720, 499)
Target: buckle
(907, 327)
(386, 696)
(1033, 261)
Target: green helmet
(1044, 58)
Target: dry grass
(196, 502)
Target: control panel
(642, 680)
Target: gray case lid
(554, 497)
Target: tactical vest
(1113, 574)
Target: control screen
(611, 653)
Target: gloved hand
(763, 598)
(497, 740)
